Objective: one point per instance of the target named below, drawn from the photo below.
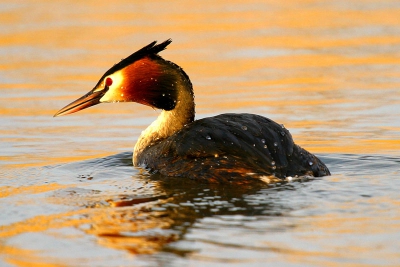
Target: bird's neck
(168, 122)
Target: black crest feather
(150, 49)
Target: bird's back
(231, 148)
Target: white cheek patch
(115, 91)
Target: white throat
(168, 122)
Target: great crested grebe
(236, 148)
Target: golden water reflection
(327, 70)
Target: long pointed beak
(90, 99)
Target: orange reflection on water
(130, 229)
(126, 228)
(11, 191)
(26, 258)
(43, 223)
(323, 69)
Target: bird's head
(143, 77)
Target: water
(329, 71)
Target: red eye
(109, 81)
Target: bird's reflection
(147, 224)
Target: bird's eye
(109, 82)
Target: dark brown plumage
(231, 148)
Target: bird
(227, 148)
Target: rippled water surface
(328, 70)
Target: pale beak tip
(58, 113)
